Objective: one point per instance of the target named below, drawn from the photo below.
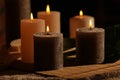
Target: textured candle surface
(48, 51)
(15, 11)
(28, 28)
(79, 22)
(52, 20)
(90, 45)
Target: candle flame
(31, 16)
(47, 29)
(48, 9)
(81, 13)
(91, 25)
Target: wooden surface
(108, 71)
(87, 71)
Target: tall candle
(48, 50)
(28, 28)
(52, 18)
(79, 21)
(15, 11)
(90, 45)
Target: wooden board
(88, 71)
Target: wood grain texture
(87, 72)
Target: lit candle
(48, 50)
(52, 18)
(90, 45)
(28, 28)
(79, 21)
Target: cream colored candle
(52, 18)
(28, 28)
(79, 21)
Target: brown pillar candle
(15, 11)
(90, 45)
(48, 51)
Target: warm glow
(91, 25)
(48, 9)
(31, 16)
(47, 29)
(81, 13)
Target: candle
(52, 18)
(15, 11)
(90, 45)
(28, 28)
(79, 21)
(48, 50)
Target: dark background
(106, 12)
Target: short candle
(90, 45)
(48, 50)
(79, 21)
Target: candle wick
(91, 28)
(47, 33)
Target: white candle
(90, 45)
(28, 28)
(79, 21)
(52, 18)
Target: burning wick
(81, 13)
(47, 30)
(90, 25)
(31, 16)
(48, 9)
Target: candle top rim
(85, 30)
(32, 21)
(41, 12)
(50, 34)
(81, 17)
